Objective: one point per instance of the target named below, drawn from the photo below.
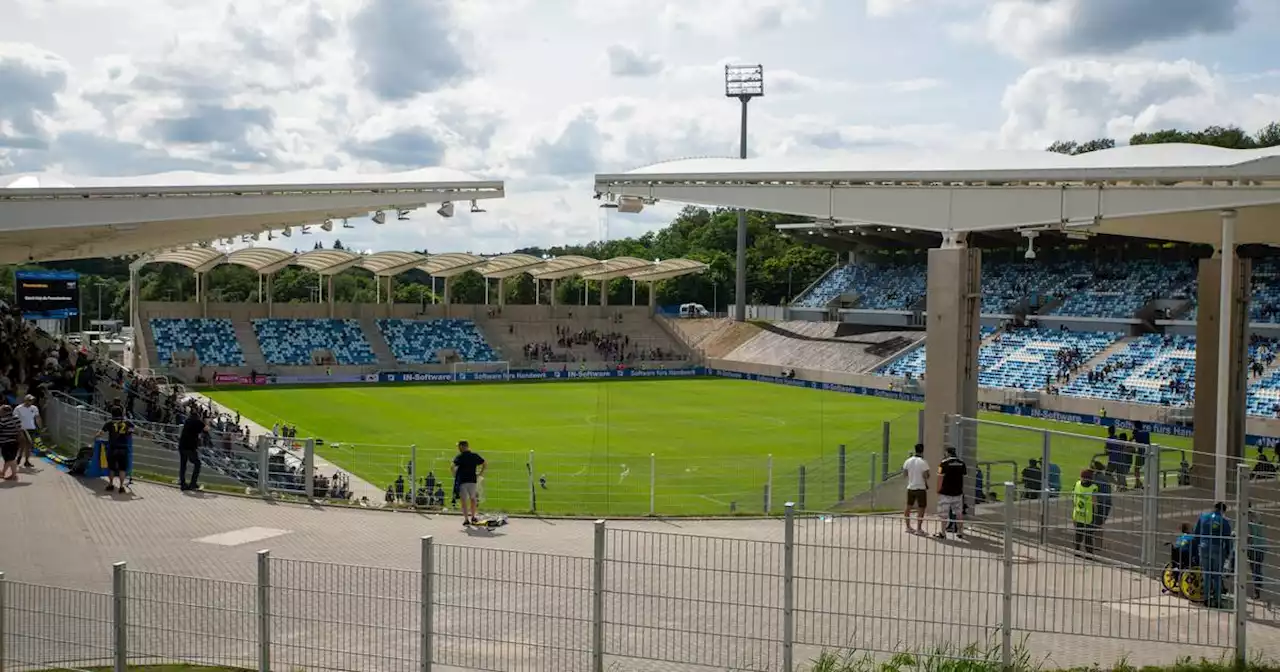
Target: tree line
(779, 266)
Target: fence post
(1241, 585)
(533, 486)
(1046, 459)
(653, 484)
(309, 466)
(264, 611)
(800, 499)
(768, 485)
(841, 472)
(4, 604)
(788, 586)
(120, 616)
(884, 455)
(264, 465)
(597, 600)
(426, 625)
(1006, 590)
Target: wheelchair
(1188, 582)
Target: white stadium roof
(47, 216)
(1171, 191)
(331, 262)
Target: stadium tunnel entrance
(1189, 193)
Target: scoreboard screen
(47, 295)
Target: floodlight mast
(743, 82)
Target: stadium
(1015, 311)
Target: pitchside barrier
(643, 599)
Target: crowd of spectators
(612, 347)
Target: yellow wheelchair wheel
(1170, 579)
(1192, 584)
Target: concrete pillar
(653, 298)
(604, 292)
(1207, 441)
(502, 294)
(951, 367)
(553, 293)
(447, 283)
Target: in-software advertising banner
(412, 377)
(47, 295)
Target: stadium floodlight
(347, 225)
(446, 209)
(1031, 244)
(287, 231)
(475, 208)
(306, 229)
(379, 217)
(327, 226)
(743, 82)
(402, 214)
(630, 205)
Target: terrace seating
(288, 342)
(1006, 284)
(1152, 369)
(880, 287)
(1026, 358)
(1119, 290)
(912, 364)
(212, 340)
(418, 341)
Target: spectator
(1213, 535)
(1032, 479)
(916, 470)
(29, 416)
(10, 429)
(468, 469)
(119, 433)
(951, 475)
(189, 449)
(1263, 469)
(1256, 553)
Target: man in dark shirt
(119, 433)
(468, 468)
(1143, 438)
(951, 473)
(1032, 480)
(189, 449)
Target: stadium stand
(287, 342)
(1152, 369)
(212, 340)
(817, 345)
(420, 341)
(912, 364)
(626, 335)
(1120, 290)
(878, 287)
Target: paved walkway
(359, 487)
(712, 590)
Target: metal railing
(815, 584)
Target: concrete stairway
(253, 357)
(386, 358)
(1098, 359)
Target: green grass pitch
(591, 441)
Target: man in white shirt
(29, 415)
(917, 472)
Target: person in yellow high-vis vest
(1083, 512)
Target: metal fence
(647, 599)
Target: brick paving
(677, 592)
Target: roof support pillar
(604, 292)
(329, 296)
(447, 282)
(1222, 326)
(951, 369)
(553, 293)
(271, 294)
(653, 298)
(502, 294)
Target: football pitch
(626, 447)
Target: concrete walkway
(359, 487)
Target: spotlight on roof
(446, 209)
(609, 206)
(256, 236)
(379, 217)
(271, 236)
(476, 208)
(246, 237)
(1031, 244)
(630, 205)
(402, 215)
(306, 229)
(347, 225)
(328, 225)
(287, 231)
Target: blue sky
(543, 93)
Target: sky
(545, 93)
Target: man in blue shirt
(1213, 535)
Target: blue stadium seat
(418, 341)
(913, 363)
(879, 287)
(1119, 290)
(213, 340)
(1153, 369)
(290, 342)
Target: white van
(693, 310)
